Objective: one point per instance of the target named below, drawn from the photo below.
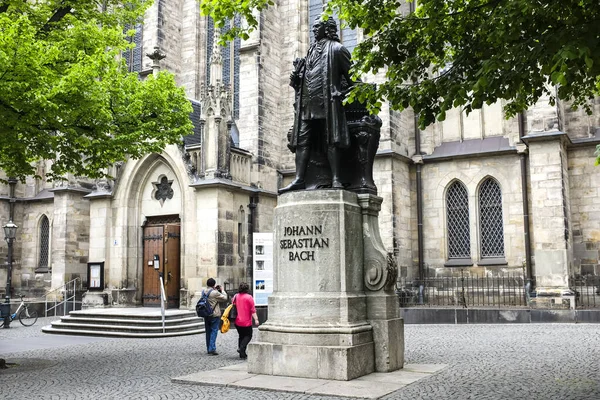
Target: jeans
(245, 335)
(211, 326)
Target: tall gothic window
(44, 242)
(231, 62)
(457, 209)
(133, 57)
(490, 219)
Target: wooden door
(172, 265)
(153, 245)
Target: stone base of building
(553, 298)
(94, 300)
(123, 297)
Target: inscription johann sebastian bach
(302, 248)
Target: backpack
(203, 308)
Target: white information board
(262, 247)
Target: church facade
(477, 192)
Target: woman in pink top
(246, 311)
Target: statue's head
(327, 28)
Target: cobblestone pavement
(529, 361)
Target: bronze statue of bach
(321, 81)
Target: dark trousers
(245, 335)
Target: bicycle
(26, 317)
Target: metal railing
(163, 301)
(466, 290)
(587, 291)
(68, 293)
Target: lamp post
(10, 233)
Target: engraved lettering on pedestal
(296, 244)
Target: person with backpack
(246, 312)
(208, 308)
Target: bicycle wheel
(28, 317)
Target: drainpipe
(419, 164)
(523, 159)
(251, 228)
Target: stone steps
(127, 322)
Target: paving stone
(281, 383)
(424, 368)
(216, 377)
(400, 377)
(237, 367)
(356, 389)
(484, 362)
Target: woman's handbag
(233, 310)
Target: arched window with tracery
(44, 241)
(457, 210)
(491, 227)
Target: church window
(490, 219)
(457, 209)
(133, 57)
(44, 235)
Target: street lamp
(10, 233)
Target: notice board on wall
(262, 248)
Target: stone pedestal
(318, 324)
(380, 274)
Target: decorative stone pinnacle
(216, 60)
(156, 56)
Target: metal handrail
(163, 300)
(64, 288)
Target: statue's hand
(294, 79)
(336, 94)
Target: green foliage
(222, 11)
(66, 95)
(467, 53)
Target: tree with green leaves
(464, 53)
(66, 94)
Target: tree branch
(57, 17)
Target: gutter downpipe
(523, 159)
(251, 229)
(419, 164)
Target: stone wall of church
(273, 95)
(392, 177)
(551, 236)
(163, 28)
(28, 276)
(193, 50)
(471, 172)
(479, 124)
(584, 184)
(70, 236)
(576, 122)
